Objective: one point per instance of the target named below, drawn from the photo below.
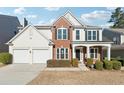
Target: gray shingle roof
(117, 30)
(104, 38)
(8, 25)
(118, 47)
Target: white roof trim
(23, 31)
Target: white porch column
(88, 52)
(74, 53)
(109, 53)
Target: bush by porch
(108, 65)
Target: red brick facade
(62, 22)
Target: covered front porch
(91, 50)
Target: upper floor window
(62, 34)
(77, 34)
(92, 35)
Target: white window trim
(76, 35)
(92, 35)
(62, 34)
(64, 54)
(94, 53)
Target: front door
(78, 54)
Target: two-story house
(65, 39)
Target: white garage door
(20, 56)
(40, 55)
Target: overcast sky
(46, 15)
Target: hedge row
(58, 63)
(62, 63)
(109, 65)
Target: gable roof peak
(24, 29)
(63, 18)
(69, 16)
(68, 12)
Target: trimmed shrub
(89, 62)
(58, 63)
(108, 65)
(75, 62)
(114, 59)
(116, 65)
(99, 65)
(5, 58)
(118, 59)
(122, 62)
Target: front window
(62, 34)
(58, 53)
(77, 34)
(92, 35)
(93, 53)
(62, 53)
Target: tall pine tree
(117, 18)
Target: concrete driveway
(19, 74)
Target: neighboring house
(65, 39)
(8, 28)
(116, 35)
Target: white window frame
(94, 53)
(76, 34)
(60, 54)
(91, 35)
(62, 33)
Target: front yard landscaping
(79, 78)
(102, 73)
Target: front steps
(83, 67)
